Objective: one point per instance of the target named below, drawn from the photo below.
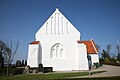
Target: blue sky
(97, 19)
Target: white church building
(57, 44)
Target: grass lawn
(46, 76)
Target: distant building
(57, 44)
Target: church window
(62, 24)
(55, 24)
(47, 28)
(67, 28)
(53, 55)
(61, 51)
(51, 25)
(57, 51)
(58, 24)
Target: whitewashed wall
(34, 55)
(94, 58)
(58, 30)
(82, 57)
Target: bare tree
(104, 55)
(10, 51)
(98, 47)
(109, 46)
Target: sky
(96, 19)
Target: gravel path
(110, 71)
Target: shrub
(111, 63)
(16, 71)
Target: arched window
(61, 52)
(46, 28)
(56, 51)
(53, 51)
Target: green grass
(46, 76)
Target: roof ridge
(94, 45)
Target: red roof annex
(91, 46)
(35, 42)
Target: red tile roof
(35, 42)
(91, 46)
